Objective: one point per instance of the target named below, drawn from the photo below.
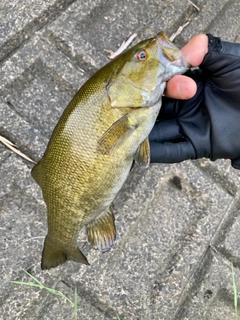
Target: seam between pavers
(26, 36)
(193, 284)
(85, 67)
(92, 299)
(224, 226)
(228, 4)
(60, 44)
(222, 182)
(204, 267)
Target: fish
(103, 130)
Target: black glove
(207, 125)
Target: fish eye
(141, 55)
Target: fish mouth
(169, 52)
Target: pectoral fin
(54, 254)
(114, 135)
(142, 155)
(101, 232)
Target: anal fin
(54, 254)
(101, 232)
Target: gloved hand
(208, 124)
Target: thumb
(195, 50)
(180, 87)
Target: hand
(208, 123)
(183, 87)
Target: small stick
(179, 30)
(236, 38)
(195, 6)
(123, 47)
(13, 147)
(33, 238)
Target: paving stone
(215, 297)
(4, 153)
(222, 173)
(38, 85)
(221, 18)
(21, 213)
(26, 302)
(21, 133)
(20, 20)
(226, 242)
(208, 293)
(111, 22)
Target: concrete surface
(177, 225)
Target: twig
(33, 238)
(195, 6)
(179, 30)
(123, 47)
(13, 147)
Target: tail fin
(53, 254)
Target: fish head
(140, 74)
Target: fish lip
(165, 44)
(164, 41)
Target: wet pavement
(177, 225)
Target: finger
(195, 50)
(165, 131)
(236, 163)
(172, 152)
(180, 87)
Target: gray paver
(36, 81)
(177, 225)
(20, 20)
(214, 299)
(114, 21)
(28, 139)
(219, 17)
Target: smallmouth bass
(102, 131)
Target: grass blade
(76, 303)
(30, 284)
(40, 285)
(35, 279)
(235, 293)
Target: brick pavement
(177, 225)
